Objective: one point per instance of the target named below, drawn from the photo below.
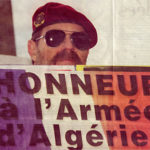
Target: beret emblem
(39, 20)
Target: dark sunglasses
(54, 38)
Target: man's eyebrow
(36, 35)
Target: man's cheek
(83, 56)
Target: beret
(52, 13)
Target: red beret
(52, 13)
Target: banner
(97, 108)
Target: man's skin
(64, 54)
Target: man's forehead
(64, 26)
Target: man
(61, 36)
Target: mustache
(67, 55)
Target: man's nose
(67, 43)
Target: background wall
(7, 42)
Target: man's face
(66, 53)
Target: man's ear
(32, 49)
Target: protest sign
(100, 108)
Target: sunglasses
(54, 38)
